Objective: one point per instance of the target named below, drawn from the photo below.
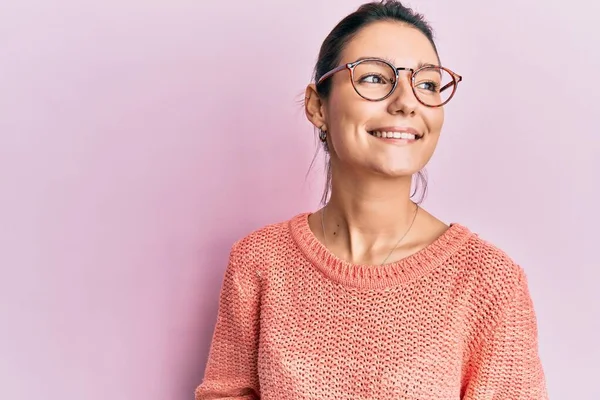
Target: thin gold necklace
(397, 243)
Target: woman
(372, 297)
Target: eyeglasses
(375, 79)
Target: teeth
(394, 135)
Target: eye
(429, 86)
(374, 78)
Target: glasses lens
(374, 79)
(434, 86)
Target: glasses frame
(456, 78)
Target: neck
(365, 218)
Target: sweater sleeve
(506, 364)
(231, 370)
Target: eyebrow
(419, 65)
(422, 64)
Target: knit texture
(452, 321)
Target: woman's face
(352, 122)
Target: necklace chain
(397, 243)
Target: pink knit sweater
(453, 321)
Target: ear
(314, 107)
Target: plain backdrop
(140, 139)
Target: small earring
(323, 135)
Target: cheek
(344, 110)
(348, 110)
(434, 119)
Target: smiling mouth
(395, 135)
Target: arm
(506, 364)
(231, 371)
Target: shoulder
(263, 244)
(490, 277)
(479, 263)
(492, 264)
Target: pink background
(140, 139)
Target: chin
(395, 167)
(397, 172)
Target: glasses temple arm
(333, 71)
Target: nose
(403, 100)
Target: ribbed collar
(376, 276)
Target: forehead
(400, 43)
